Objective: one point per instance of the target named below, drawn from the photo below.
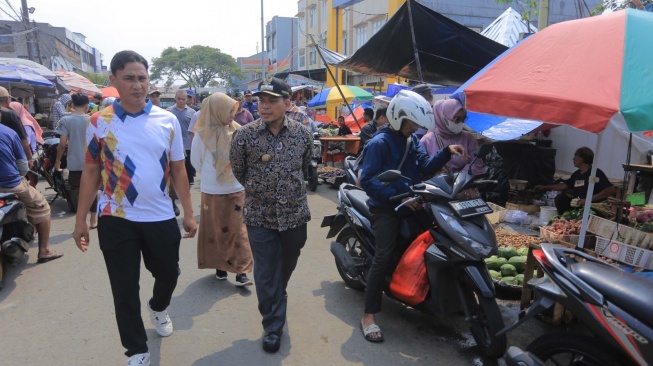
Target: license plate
(470, 208)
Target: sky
(150, 26)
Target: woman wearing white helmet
(395, 148)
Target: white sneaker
(161, 321)
(141, 359)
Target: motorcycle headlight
(482, 250)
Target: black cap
(274, 86)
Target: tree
(197, 65)
(619, 4)
(528, 10)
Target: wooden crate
(530, 209)
(498, 215)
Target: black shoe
(221, 275)
(176, 209)
(242, 280)
(272, 341)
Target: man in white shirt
(133, 150)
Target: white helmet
(412, 106)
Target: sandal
(368, 330)
(52, 257)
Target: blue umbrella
(20, 74)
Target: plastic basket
(498, 215)
(624, 253)
(601, 227)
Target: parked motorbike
(350, 170)
(16, 233)
(517, 357)
(316, 158)
(611, 303)
(46, 156)
(457, 275)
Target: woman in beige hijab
(222, 242)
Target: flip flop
(50, 258)
(368, 330)
(92, 227)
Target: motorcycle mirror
(389, 176)
(483, 150)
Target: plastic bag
(516, 217)
(410, 282)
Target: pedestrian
(184, 114)
(190, 100)
(32, 128)
(371, 127)
(450, 116)
(13, 167)
(155, 96)
(296, 114)
(60, 109)
(97, 100)
(242, 116)
(250, 104)
(269, 157)
(11, 119)
(222, 241)
(72, 131)
(133, 151)
(395, 148)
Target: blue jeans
(275, 258)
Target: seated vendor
(576, 186)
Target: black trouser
(562, 202)
(275, 258)
(74, 179)
(122, 242)
(190, 171)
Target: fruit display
(508, 266)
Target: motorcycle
(46, 156)
(612, 304)
(350, 170)
(316, 158)
(16, 233)
(457, 275)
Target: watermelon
(519, 262)
(507, 252)
(494, 274)
(508, 270)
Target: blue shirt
(183, 116)
(384, 152)
(10, 150)
(252, 108)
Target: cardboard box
(498, 215)
(529, 209)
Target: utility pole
(28, 35)
(543, 15)
(36, 40)
(263, 66)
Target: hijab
(445, 111)
(27, 120)
(215, 135)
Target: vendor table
(351, 144)
(631, 180)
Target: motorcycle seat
(359, 199)
(626, 290)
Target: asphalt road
(61, 313)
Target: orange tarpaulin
(109, 92)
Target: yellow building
(342, 26)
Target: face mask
(454, 127)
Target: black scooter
(16, 233)
(316, 158)
(613, 305)
(457, 275)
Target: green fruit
(520, 279)
(508, 270)
(518, 262)
(507, 252)
(502, 261)
(510, 280)
(494, 274)
(522, 251)
(492, 263)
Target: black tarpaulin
(449, 53)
